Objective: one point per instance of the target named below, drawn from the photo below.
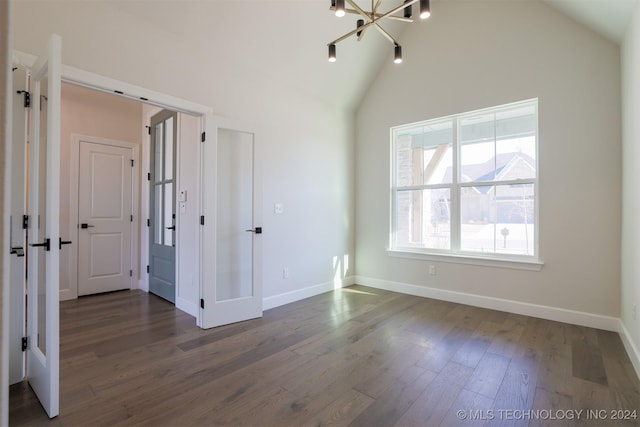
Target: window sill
(517, 264)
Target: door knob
(257, 230)
(46, 245)
(173, 227)
(17, 251)
(84, 225)
(63, 242)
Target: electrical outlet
(278, 208)
(285, 273)
(432, 270)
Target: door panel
(17, 236)
(234, 245)
(162, 251)
(44, 236)
(231, 289)
(104, 217)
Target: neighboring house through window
(467, 184)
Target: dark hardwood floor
(359, 357)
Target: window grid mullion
(455, 188)
(493, 183)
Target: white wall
(89, 113)
(471, 55)
(307, 143)
(630, 180)
(187, 290)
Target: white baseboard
(66, 294)
(299, 294)
(141, 284)
(631, 348)
(187, 306)
(517, 307)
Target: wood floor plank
(356, 356)
(505, 341)
(488, 375)
(518, 388)
(395, 401)
(431, 407)
(476, 411)
(554, 402)
(556, 371)
(625, 394)
(342, 411)
(444, 349)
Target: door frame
(208, 121)
(96, 82)
(74, 200)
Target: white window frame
(455, 254)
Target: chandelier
(373, 18)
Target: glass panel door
(44, 233)
(234, 219)
(231, 232)
(162, 255)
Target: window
(467, 184)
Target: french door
(231, 238)
(162, 213)
(45, 242)
(17, 232)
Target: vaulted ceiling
(607, 17)
(280, 42)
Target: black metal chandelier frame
(372, 18)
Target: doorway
(203, 301)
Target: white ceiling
(607, 17)
(286, 40)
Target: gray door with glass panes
(162, 195)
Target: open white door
(231, 237)
(44, 229)
(17, 235)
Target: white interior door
(231, 289)
(44, 229)
(17, 237)
(105, 217)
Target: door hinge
(25, 222)
(147, 269)
(148, 176)
(131, 218)
(25, 343)
(130, 273)
(148, 129)
(201, 303)
(201, 219)
(203, 136)
(131, 162)
(27, 98)
(148, 222)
